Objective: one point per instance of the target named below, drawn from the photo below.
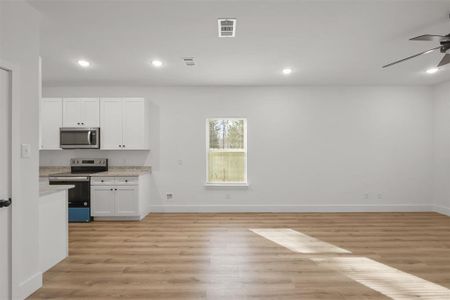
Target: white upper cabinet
(111, 123)
(90, 112)
(124, 124)
(134, 130)
(71, 112)
(51, 122)
(81, 112)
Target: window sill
(243, 184)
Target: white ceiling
(325, 42)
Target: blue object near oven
(79, 214)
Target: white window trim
(245, 150)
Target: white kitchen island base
(53, 225)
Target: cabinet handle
(123, 146)
(115, 189)
(111, 189)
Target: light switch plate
(25, 150)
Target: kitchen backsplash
(116, 158)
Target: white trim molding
(290, 208)
(29, 286)
(15, 176)
(442, 210)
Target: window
(226, 151)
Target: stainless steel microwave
(79, 138)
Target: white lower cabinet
(102, 201)
(119, 197)
(127, 201)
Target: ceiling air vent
(189, 61)
(227, 27)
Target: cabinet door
(127, 201)
(50, 121)
(102, 201)
(134, 123)
(72, 112)
(90, 112)
(111, 123)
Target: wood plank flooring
(217, 256)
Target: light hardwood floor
(216, 256)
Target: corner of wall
(440, 134)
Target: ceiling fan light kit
(444, 48)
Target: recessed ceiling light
(157, 63)
(84, 63)
(287, 71)
(432, 70)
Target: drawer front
(103, 180)
(127, 180)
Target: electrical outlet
(25, 150)
(366, 196)
(380, 196)
(180, 162)
(169, 196)
(227, 196)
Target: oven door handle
(68, 179)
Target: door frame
(15, 173)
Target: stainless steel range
(80, 176)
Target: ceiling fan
(444, 48)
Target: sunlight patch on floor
(386, 280)
(389, 281)
(296, 241)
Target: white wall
(441, 168)
(19, 45)
(310, 148)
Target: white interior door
(5, 184)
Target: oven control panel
(88, 162)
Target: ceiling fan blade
(445, 60)
(431, 37)
(412, 56)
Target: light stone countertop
(131, 171)
(47, 171)
(123, 171)
(46, 189)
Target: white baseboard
(442, 210)
(28, 286)
(289, 208)
(137, 218)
